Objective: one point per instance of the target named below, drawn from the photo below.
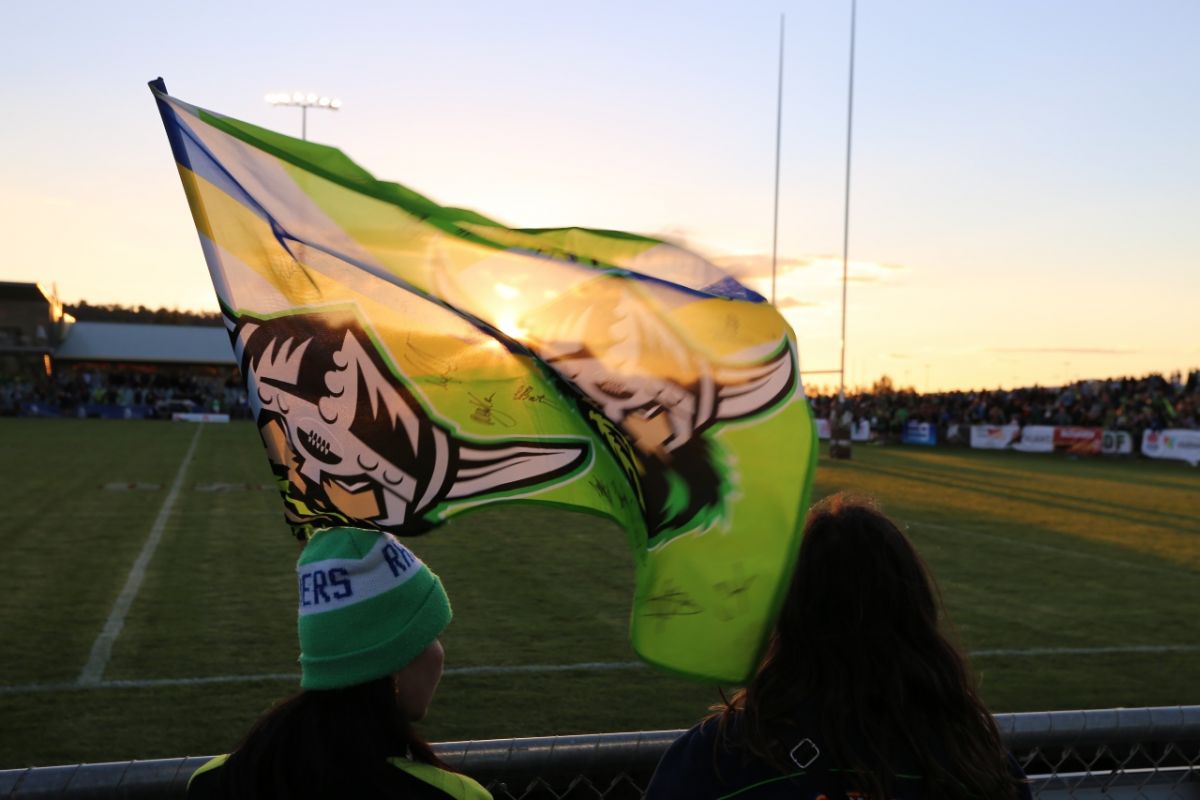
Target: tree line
(113, 312)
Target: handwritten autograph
(671, 602)
(735, 593)
(610, 493)
(440, 369)
(525, 393)
(487, 413)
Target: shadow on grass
(1102, 509)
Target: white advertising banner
(180, 416)
(1034, 439)
(823, 429)
(1176, 443)
(1116, 443)
(993, 437)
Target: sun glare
(510, 326)
(506, 291)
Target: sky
(1025, 183)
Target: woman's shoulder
(707, 762)
(711, 761)
(412, 780)
(686, 768)
(706, 733)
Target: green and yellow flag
(407, 362)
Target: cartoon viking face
(353, 441)
(664, 395)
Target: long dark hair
(859, 646)
(327, 743)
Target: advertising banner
(1078, 441)
(1174, 443)
(919, 433)
(39, 410)
(182, 416)
(114, 411)
(1035, 439)
(993, 437)
(823, 429)
(1116, 443)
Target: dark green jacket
(414, 781)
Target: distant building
(52, 365)
(129, 344)
(35, 332)
(133, 370)
(31, 327)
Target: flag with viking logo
(407, 362)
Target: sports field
(1074, 583)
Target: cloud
(1086, 351)
(757, 266)
(676, 234)
(752, 266)
(791, 302)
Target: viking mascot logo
(349, 440)
(664, 396)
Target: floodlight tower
(305, 100)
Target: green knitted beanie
(368, 606)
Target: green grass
(1030, 551)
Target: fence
(1147, 753)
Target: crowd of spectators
(96, 392)
(1128, 404)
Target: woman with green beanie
(370, 613)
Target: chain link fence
(1122, 754)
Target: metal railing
(1129, 753)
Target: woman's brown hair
(859, 644)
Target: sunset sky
(1026, 181)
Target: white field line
(153, 683)
(1089, 651)
(590, 666)
(1049, 548)
(97, 662)
(587, 666)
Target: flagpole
(778, 137)
(846, 210)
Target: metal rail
(1124, 752)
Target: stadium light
(305, 101)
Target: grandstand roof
(16, 292)
(159, 344)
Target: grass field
(1075, 583)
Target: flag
(407, 362)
